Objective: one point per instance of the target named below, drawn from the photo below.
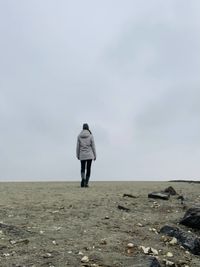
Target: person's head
(86, 127)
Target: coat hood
(84, 134)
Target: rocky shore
(109, 224)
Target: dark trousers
(86, 164)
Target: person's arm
(78, 148)
(93, 147)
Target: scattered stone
(85, 259)
(161, 195)
(155, 205)
(107, 217)
(130, 245)
(169, 263)
(129, 195)
(169, 255)
(185, 239)
(153, 230)
(174, 241)
(103, 241)
(170, 190)
(13, 242)
(47, 255)
(6, 254)
(192, 218)
(54, 211)
(149, 250)
(139, 224)
(123, 208)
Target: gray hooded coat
(85, 148)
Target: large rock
(192, 218)
(161, 195)
(170, 190)
(187, 240)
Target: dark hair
(86, 127)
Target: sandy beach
(60, 224)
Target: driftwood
(161, 195)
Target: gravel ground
(60, 224)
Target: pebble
(169, 263)
(130, 245)
(173, 241)
(54, 211)
(153, 230)
(169, 255)
(85, 259)
(57, 228)
(149, 250)
(103, 242)
(47, 255)
(6, 254)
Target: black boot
(87, 181)
(83, 179)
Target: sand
(57, 224)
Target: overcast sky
(130, 69)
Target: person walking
(85, 152)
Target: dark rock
(187, 240)
(123, 208)
(154, 263)
(129, 195)
(192, 218)
(170, 190)
(161, 195)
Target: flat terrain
(57, 224)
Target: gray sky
(130, 69)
